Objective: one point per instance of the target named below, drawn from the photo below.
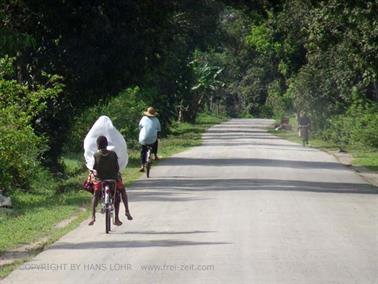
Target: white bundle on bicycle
(104, 126)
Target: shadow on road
(252, 144)
(132, 244)
(239, 137)
(164, 232)
(179, 161)
(170, 196)
(182, 185)
(215, 131)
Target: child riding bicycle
(106, 157)
(106, 167)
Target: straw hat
(150, 112)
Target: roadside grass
(35, 212)
(362, 156)
(366, 158)
(52, 200)
(50, 236)
(8, 268)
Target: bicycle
(303, 131)
(148, 160)
(108, 191)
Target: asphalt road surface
(245, 207)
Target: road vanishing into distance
(244, 207)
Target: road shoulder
(347, 159)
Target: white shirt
(149, 127)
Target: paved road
(245, 207)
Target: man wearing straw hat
(149, 133)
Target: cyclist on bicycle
(304, 124)
(149, 134)
(106, 167)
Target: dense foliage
(301, 55)
(124, 111)
(20, 146)
(103, 47)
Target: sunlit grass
(34, 215)
(366, 158)
(8, 268)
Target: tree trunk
(189, 113)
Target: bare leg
(95, 198)
(117, 202)
(126, 203)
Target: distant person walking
(304, 124)
(149, 134)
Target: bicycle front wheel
(107, 220)
(148, 169)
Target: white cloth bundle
(104, 126)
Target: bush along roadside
(55, 206)
(348, 141)
(20, 106)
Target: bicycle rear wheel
(107, 220)
(148, 169)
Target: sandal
(128, 215)
(118, 223)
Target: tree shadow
(166, 196)
(164, 232)
(194, 185)
(280, 147)
(234, 131)
(132, 244)
(186, 130)
(238, 143)
(242, 125)
(244, 137)
(50, 200)
(180, 161)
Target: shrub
(125, 110)
(19, 149)
(20, 146)
(358, 126)
(365, 128)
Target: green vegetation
(124, 110)
(320, 57)
(8, 268)
(363, 155)
(102, 48)
(20, 145)
(366, 158)
(357, 127)
(229, 58)
(36, 212)
(235, 58)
